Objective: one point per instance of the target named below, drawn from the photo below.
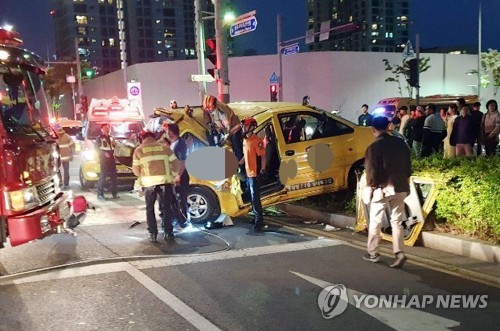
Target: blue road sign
(274, 79)
(248, 24)
(289, 50)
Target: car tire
(86, 185)
(203, 205)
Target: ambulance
(126, 119)
(389, 106)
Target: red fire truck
(32, 204)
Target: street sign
(274, 79)
(248, 24)
(408, 50)
(202, 78)
(289, 50)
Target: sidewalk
(467, 257)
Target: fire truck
(32, 204)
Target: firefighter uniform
(156, 166)
(66, 147)
(105, 145)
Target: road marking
(399, 319)
(171, 300)
(89, 270)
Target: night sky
(438, 22)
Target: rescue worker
(224, 122)
(105, 146)
(66, 150)
(181, 181)
(156, 167)
(253, 148)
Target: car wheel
(203, 205)
(85, 183)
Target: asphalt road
(109, 277)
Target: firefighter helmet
(209, 103)
(248, 124)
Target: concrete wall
(334, 80)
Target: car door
(311, 162)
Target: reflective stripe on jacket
(153, 163)
(66, 145)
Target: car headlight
(89, 155)
(22, 199)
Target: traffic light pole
(280, 80)
(221, 50)
(200, 45)
(79, 91)
(417, 89)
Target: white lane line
(397, 318)
(171, 261)
(172, 301)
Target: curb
(438, 241)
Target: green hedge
(468, 192)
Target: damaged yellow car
(308, 152)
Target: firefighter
(224, 124)
(105, 146)
(156, 167)
(66, 149)
(253, 149)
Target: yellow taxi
(308, 152)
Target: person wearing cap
(386, 188)
(66, 150)
(156, 167)
(253, 149)
(477, 117)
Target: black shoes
(399, 260)
(169, 236)
(152, 237)
(372, 258)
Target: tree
(490, 63)
(402, 71)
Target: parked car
(294, 156)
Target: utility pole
(280, 81)
(417, 89)
(200, 45)
(79, 91)
(221, 51)
(479, 52)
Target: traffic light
(412, 72)
(273, 89)
(212, 56)
(89, 73)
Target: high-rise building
(382, 25)
(114, 33)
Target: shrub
(468, 192)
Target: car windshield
(23, 104)
(119, 130)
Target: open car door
(418, 205)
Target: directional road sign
(202, 78)
(248, 24)
(292, 49)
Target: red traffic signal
(273, 89)
(212, 55)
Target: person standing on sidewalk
(490, 128)
(156, 167)
(66, 149)
(253, 148)
(386, 187)
(365, 119)
(105, 146)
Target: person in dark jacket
(105, 146)
(477, 117)
(434, 131)
(386, 188)
(462, 136)
(365, 119)
(417, 130)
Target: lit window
(375, 33)
(158, 42)
(160, 52)
(374, 26)
(157, 21)
(81, 19)
(374, 41)
(404, 18)
(111, 42)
